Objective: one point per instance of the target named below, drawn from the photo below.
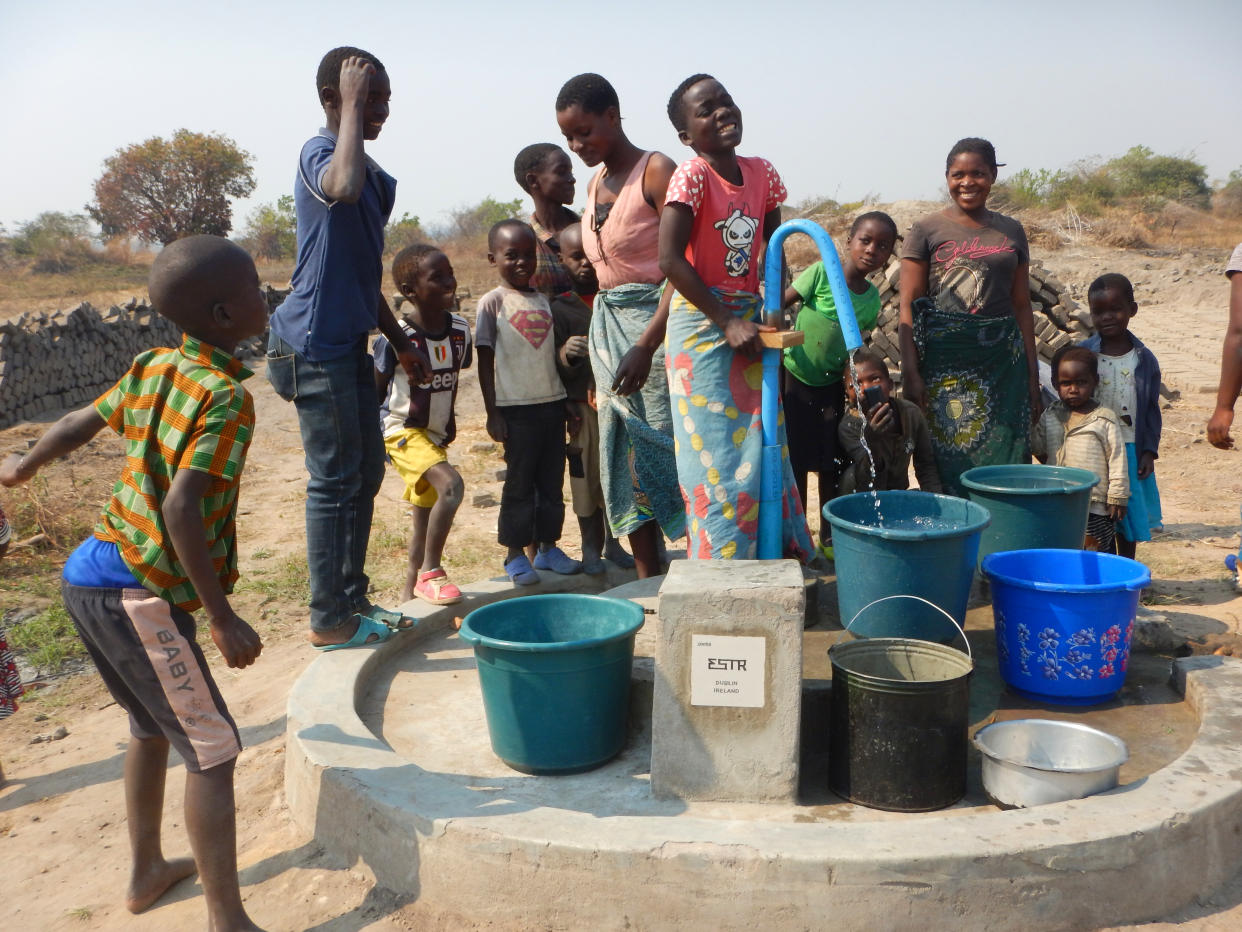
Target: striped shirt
(1086, 441)
(551, 276)
(428, 406)
(177, 409)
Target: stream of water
(875, 495)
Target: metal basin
(1034, 761)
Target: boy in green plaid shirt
(164, 548)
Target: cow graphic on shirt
(738, 232)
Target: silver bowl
(1034, 761)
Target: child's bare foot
(245, 924)
(154, 881)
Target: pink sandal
(434, 587)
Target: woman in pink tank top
(620, 232)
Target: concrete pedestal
(728, 681)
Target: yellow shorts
(413, 453)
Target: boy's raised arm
(182, 510)
(347, 169)
(61, 439)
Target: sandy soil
(62, 814)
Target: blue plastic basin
(1063, 621)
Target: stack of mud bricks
(1059, 320)
(53, 362)
(727, 707)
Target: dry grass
(475, 274)
(1162, 225)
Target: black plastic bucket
(898, 726)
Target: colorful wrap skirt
(716, 395)
(638, 471)
(978, 408)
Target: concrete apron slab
(1135, 853)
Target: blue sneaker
(1231, 564)
(556, 560)
(520, 572)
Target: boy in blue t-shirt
(317, 352)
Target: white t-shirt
(517, 325)
(1117, 391)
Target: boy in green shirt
(165, 547)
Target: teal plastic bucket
(905, 543)
(555, 676)
(1033, 507)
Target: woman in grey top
(967, 335)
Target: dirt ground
(62, 812)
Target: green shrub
(473, 221)
(404, 232)
(272, 230)
(1091, 185)
(54, 242)
(1228, 197)
(1142, 173)
(1031, 188)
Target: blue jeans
(338, 413)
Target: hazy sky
(845, 99)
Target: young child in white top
(1130, 385)
(525, 402)
(1078, 431)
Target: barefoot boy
(164, 548)
(317, 352)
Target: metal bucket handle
(918, 598)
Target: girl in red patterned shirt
(720, 206)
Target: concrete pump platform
(388, 760)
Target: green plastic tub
(555, 676)
(1033, 507)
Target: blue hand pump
(771, 484)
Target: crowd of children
(624, 346)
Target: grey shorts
(146, 651)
